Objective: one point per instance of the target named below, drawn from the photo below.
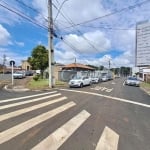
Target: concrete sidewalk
(16, 88)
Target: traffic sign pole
(12, 63)
(12, 70)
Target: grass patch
(60, 83)
(40, 84)
(146, 85)
(43, 83)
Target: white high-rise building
(143, 44)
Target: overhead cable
(110, 14)
(23, 16)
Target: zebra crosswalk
(60, 135)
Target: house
(71, 70)
(77, 67)
(57, 68)
(144, 74)
(25, 65)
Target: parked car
(95, 79)
(132, 81)
(105, 78)
(18, 75)
(29, 73)
(79, 81)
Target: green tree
(39, 58)
(101, 67)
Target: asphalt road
(103, 116)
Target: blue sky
(93, 41)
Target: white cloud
(7, 16)
(10, 55)
(4, 36)
(123, 40)
(21, 44)
(88, 43)
(104, 40)
(78, 11)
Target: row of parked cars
(80, 81)
(22, 74)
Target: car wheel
(81, 85)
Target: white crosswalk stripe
(58, 137)
(24, 97)
(18, 129)
(29, 101)
(28, 109)
(108, 140)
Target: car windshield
(77, 77)
(18, 72)
(132, 78)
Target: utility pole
(50, 45)
(4, 61)
(109, 64)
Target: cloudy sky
(93, 31)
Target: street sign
(12, 63)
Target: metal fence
(5, 77)
(67, 75)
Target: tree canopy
(39, 58)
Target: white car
(79, 81)
(95, 79)
(132, 81)
(105, 78)
(18, 75)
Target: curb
(16, 89)
(145, 90)
(22, 89)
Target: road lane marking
(28, 109)
(108, 140)
(99, 88)
(58, 137)
(28, 101)
(30, 96)
(113, 83)
(109, 97)
(22, 127)
(124, 83)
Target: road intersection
(89, 118)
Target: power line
(109, 28)
(22, 3)
(60, 9)
(21, 15)
(110, 14)
(72, 23)
(72, 47)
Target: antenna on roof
(75, 60)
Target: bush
(36, 77)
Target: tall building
(143, 50)
(143, 44)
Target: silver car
(18, 75)
(132, 81)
